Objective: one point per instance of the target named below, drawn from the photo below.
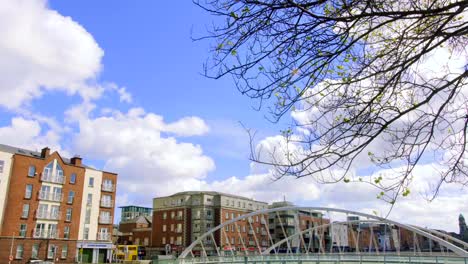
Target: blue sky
(119, 83)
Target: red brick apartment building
(181, 218)
(136, 231)
(53, 208)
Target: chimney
(45, 152)
(76, 160)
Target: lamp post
(11, 248)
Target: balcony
(53, 178)
(104, 236)
(50, 196)
(107, 187)
(48, 215)
(43, 233)
(105, 220)
(107, 203)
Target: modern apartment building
(286, 223)
(54, 208)
(181, 218)
(130, 212)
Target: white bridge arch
(445, 243)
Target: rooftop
(210, 193)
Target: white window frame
(25, 213)
(19, 251)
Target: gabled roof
(140, 220)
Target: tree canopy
(382, 80)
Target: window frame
(19, 246)
(33, 172)
(91, 182)
(73, 178)
(23, 215)
(22, 232)
(26, 196)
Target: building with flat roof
(181, 218)
(56, 208)
(130, 212)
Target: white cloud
(136, 145)
(29, 134)
(42, 50)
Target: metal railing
(50, 196)
(317, 259)
(44, 233)
(105, 220)
(49, 215)
(53, 178)
(107, 203)
(107, 187)
(103, 236)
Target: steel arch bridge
(313, 233)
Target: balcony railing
(50, 196)
(105, 220)
(107, 187)
(49, 215)
(107, 203)
(104, 236)
(44, 233)
(49, 177)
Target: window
(19, 251)
(86, 233)
(227, 202)
(51, 251)
(2, 164)
(146, 241)
(226, 228)
(68, 215)
(233, 216)
(91, 182)
(35, 251)
(233, 241)
(227, 215)
(238, 204)
(164, 215)
(172, 215)
(28, 192)
(171, 240)
(66, 232)
(71, 196)
(25, 213)
(88, 216)
(163, 240)
(31, 171)
(164, 228)
(73, 178)
(90, 199)
(172, 227)
(22, 232)
(64, 252)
